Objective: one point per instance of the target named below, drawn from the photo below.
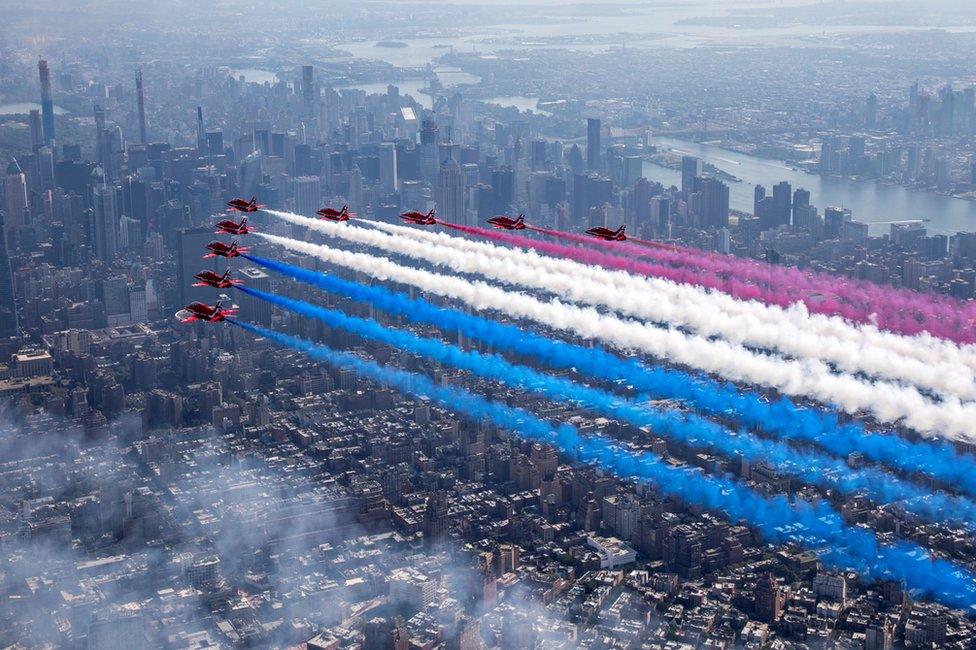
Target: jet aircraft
(607, 234)
(331, 214)
(504, 222)
(419, 218)
(201, 311)
(220, 249)
(211, 279)
(243, 205)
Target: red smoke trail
(861, 302)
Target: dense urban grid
(197, 485)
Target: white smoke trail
(707, 313)
(922, 360)
(886, 402)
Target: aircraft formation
(853, 368)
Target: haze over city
(463, 325)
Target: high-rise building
(878, 636)
(805, 218)
(449, 193)
(104, 143)
(105, 228)
(356, 189)
(308, 83)
(8, 308)
(593, 147)
(758, 194)
(308, 194)
(801, 199)
(115, 298)
(503, 189)
(590, 190)
(429, 165)
(660, 214)
(253, 308)
(633, 169)
(310, 95)
(770, 599)
(714, 207)
(834, 219)
(47, 101)
(640, 202)
(15, 196)
(201, 134)
(782, 204)
(215, 142)
(827, 155)
(388, 169)
(141, 105)
(575, 159)
(691, 168)
(36, 129)
(871, 111)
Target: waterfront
(23, 108)
(870, 201)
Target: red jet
(607, 234)
(200, 311)
(331, 214)
(419, 218)
(220, 249)
(211, 279)
(242, 205)
(231, 227)
(503, 222)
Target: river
(23, 108)
(870, 201)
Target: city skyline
(429, 325)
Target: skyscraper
(871, 111)
(308, 194)
(252, 308)
(660, 215)
(834, 219)
(388, 169)
(449, 193)
(47, 101)
(355, 189)
(310, 102)
(782, 203)
(308, 86)
(691, 168)
(769, 598)
(141, 99)
(503, 189)
(15, 193)
(593, 152)
(8, 308)
(105, 227)
(202, 146)
(104, 143)
(714, 203)
(758, 194)
(36, 129)
(428, 150)
(590, 190)
(801, 199)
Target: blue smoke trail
(814, 525)
(724, 400)
(811, 467)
